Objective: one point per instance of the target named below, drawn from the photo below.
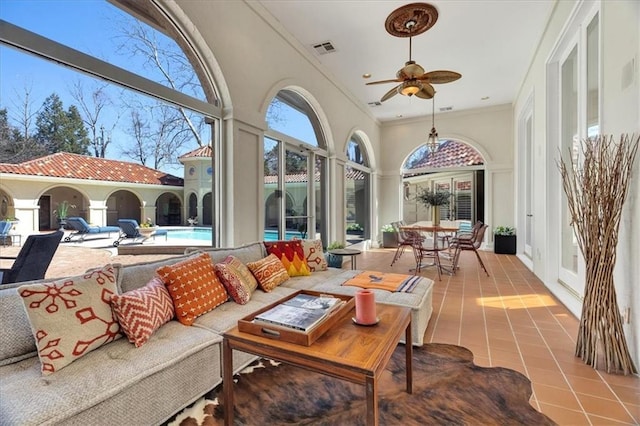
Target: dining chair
(469, 244)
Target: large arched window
(455, 167)
(295, 164)
(136, 90)
(357, 191)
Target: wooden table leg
(409, 361)
(371, 386)
(227, 381)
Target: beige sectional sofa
(121, 384)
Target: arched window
(455, 167)
(138, 90)
(358, 191)
(295, 162)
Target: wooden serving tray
(285, 334)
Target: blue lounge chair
(5, 227)
(129, 228)
(33, 259)
(82, 229)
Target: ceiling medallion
(411, 19)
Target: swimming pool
(204, 234)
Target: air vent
(374, 103)
(324, 48)
(445, 109)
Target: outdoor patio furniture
(5, 227)
(33, 259)
(469, 244)
(130, 228)
(82, 229)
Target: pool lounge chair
(33, 260)
(82, 229)
(5, 227)
(129, 228)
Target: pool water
(204, 234)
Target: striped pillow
(142, 311)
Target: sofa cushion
(141, 312)
(117, 384)
(246, 253)
(139, 274)
(71, 317)
(193, 286)
(291, 255)
(236, 266)
(16, 339)
(315, 255)
(236, 288)
(269, 272)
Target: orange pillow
(291, 254)
(269, 272)
(194, 287)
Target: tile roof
(75, 166)
(203, 151)
(452, 154)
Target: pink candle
(365, 307)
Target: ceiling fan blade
(390, 93)
(440, 76)
(395, 80)
(426, 92)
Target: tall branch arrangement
(596, 189)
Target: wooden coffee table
(347, 351)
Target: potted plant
(389, 236)
(62, 212)
(435, 199)
(334, 260)
(354, 229)
(504, 240)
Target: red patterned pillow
(72, 316)
(142, 311)
(243, 273)
(193, 286)
(236, 288)
(291, 255)
(269, 272)
(315, 255)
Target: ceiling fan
(408, 21)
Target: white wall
(489, 130)
(620, 113)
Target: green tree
(58, 130)
(14, 147)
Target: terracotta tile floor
(510, 319)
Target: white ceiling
(490, 43)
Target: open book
(301, 312)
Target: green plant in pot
(354, 228)
(504, 240)
(62, 212)
(389, 236)
(435, 199)
(334, 260)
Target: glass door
(297, 190)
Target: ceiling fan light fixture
(410, 88)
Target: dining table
(422, 227)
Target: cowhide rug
(447, 389)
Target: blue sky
(89, 26)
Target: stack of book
(302, 312)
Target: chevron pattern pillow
(291, 254)
(142, 311)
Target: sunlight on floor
(521, 301)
